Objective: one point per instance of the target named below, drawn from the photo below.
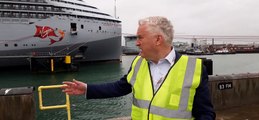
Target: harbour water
(99, 109)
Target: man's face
(146, 43)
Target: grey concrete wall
(234, 90)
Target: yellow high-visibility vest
(174, 98)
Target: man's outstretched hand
(74, 88)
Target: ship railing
(34, 54)
(39, 1)
(15, 20)
(72, 48)
(48, 54)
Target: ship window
(15, 45)
(56, 9)
(48, 15)
(6, 45)
(40, 8)
(41, 15)
(48, 8)
(33, 15)
(7, 14)
(24, 7)
(24, 15)
(82, 26)
(73, 26)
(16, 6)
(16, 15)
(6, 6)
(32, 7)
(40, 1)
(100, 28)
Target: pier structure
(46, 62)
(52, 63)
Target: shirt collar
(169, 58)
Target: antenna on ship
(115, 9)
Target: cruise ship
(56, 27)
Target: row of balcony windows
(38, 1)
(29, 7)
(43, 8)
(41, 15)
(24, 15)
(42, 1)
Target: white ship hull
(95, 39)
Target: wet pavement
(246, 112)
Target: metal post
(67, 105)
(52, 64)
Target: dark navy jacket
(202, 107)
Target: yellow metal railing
(67, 105)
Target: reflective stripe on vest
(131, 78)
(184, 107)
(136, 68)
(161, 111)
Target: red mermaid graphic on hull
(44, 32)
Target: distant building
(130, 41)
(130, 45)
(244, 48)
(181, 46)
(131, 48)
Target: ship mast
(115, 9)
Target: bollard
(17, 103)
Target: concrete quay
(235, 96)
(246, 112)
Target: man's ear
(159, 39)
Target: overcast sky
(191, 17)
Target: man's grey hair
(159, 24)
